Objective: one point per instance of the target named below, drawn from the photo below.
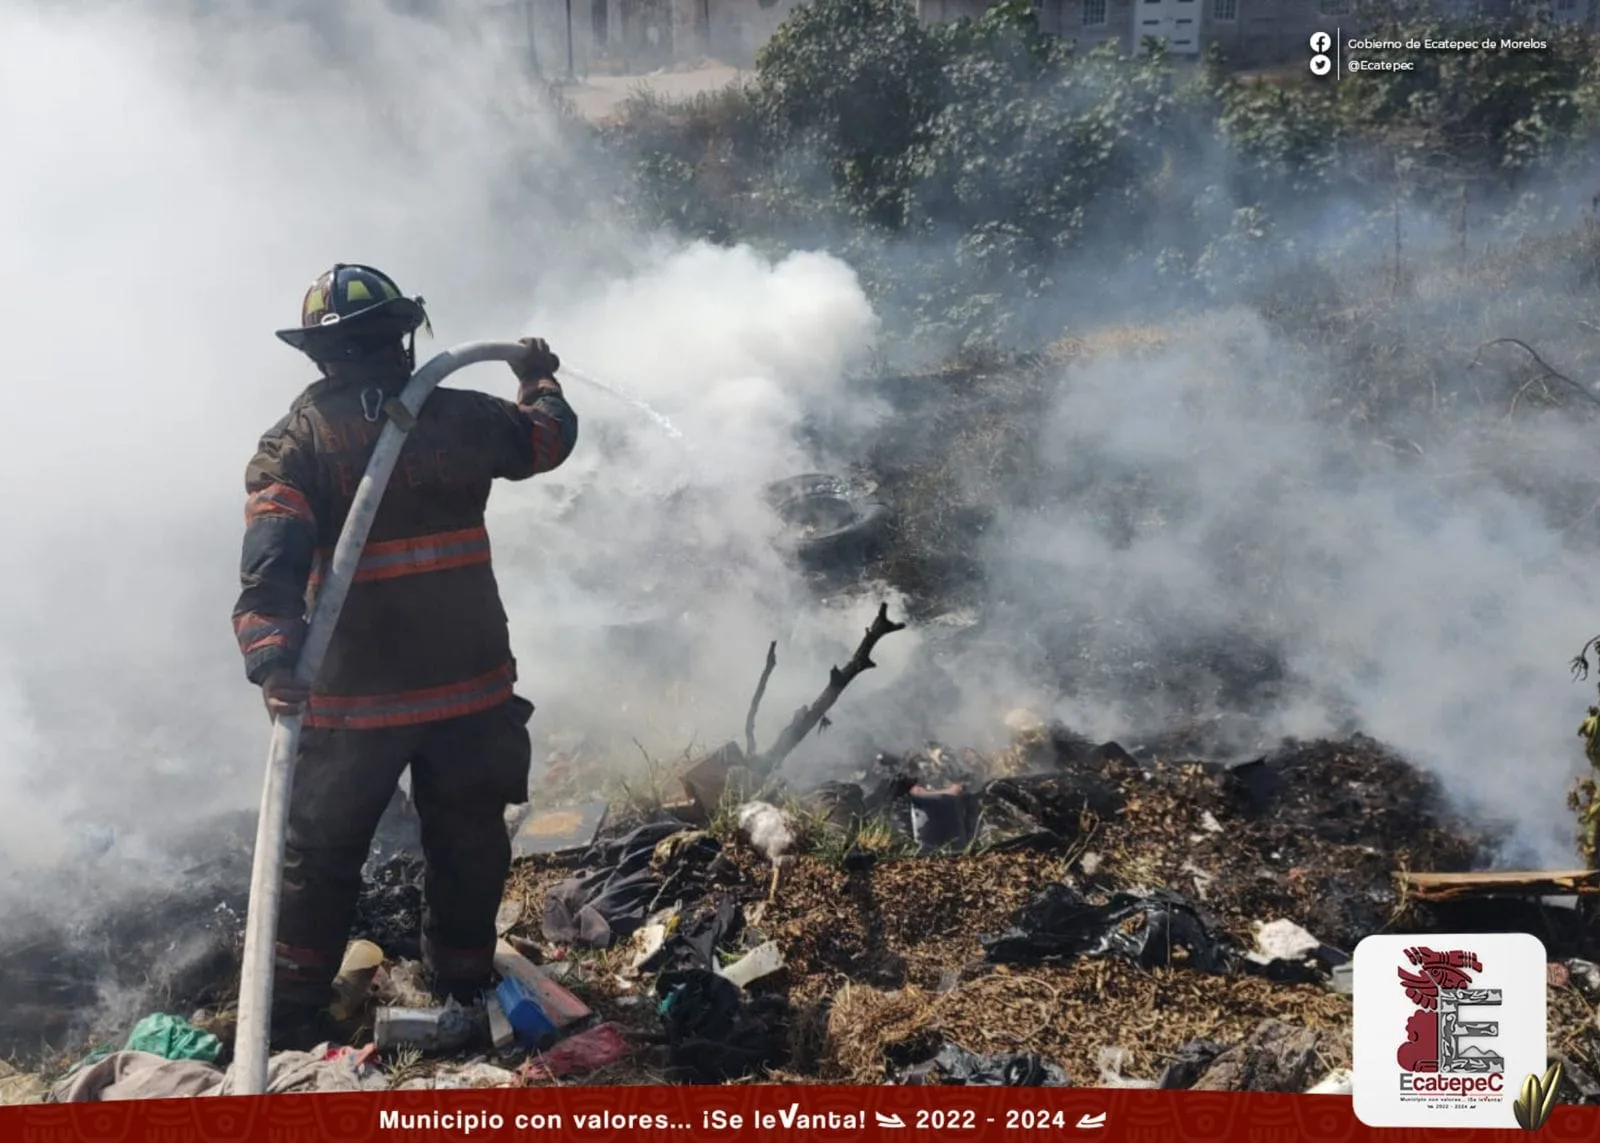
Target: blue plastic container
(523, 1013)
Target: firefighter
(420, 672)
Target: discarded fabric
(589, 1051)
(144, 1075)
(699, 934)
(476, 1075)
(713, 1033)
(619, 889)
(173, 1038)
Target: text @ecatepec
(1367, 55)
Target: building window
(1094, 13)
(1225, 10)
(1335, 7)
(1566, 5)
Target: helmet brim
(406, 314)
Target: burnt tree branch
(808, 717)
(755, 701)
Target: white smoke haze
(1437, 619)
(168, 189)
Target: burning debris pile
(1059, 912)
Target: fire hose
(252, 1039)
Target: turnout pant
(464, 773)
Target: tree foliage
(963, 166)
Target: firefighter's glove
(283, 695)
(539, 362)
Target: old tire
(826, 520)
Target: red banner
(739, 1114)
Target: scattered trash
(1585, 977)
(559, 1005)
(761, 961)
(425, 1029)
(1323, 856)
(1275, 1057)
(828, 521)
(1283, 940)
(507, 916)
(621, 887)
(1578, 1083)
(1113, 1062)
(353, 986)
(648, 941)
(137, 1075)
(144, 1075)
(1286, 952)
(1041, 811)
(173, 1038)
(1343, 979)
(557, 970)
(570, 829)
(698, 935)
(501, 1034)
(713, 1033)
(588, 1051)
(841, 804)
(955, 1065)
(707, 782)
(403, 984)
(533, 1028)
(1334, 1083)
(943, 818)
(477, 1075)
(1188, 1063)
(1059, 924)
(770, 833)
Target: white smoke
(170, 187)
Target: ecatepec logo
(1443, 1052)
(1447, 1028)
